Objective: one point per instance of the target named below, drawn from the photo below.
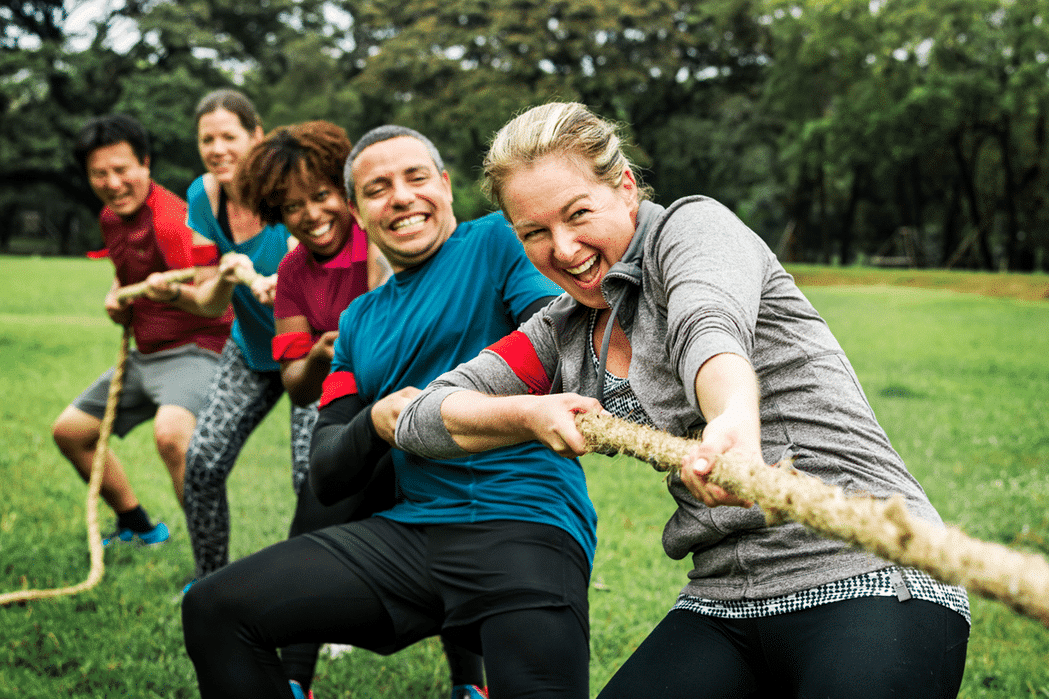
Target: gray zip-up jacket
(696, 282)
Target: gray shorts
(178, 376)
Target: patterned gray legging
(239, 399)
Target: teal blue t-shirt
(425, 321)
(253, 326)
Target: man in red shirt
(168, 374)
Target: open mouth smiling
(582, 267)
(320, 230)
(407, 221)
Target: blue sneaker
(157, 535)
(296, 690)
(469, 691)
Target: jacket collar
(629, 267)
(625, 274)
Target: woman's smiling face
(317, 214)
(573, 227)
(223, 141)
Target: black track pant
(298, 591)
(871, 647)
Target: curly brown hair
(312, 151)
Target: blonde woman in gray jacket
(681, 318)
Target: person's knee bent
(172, 429)
(537, 652)
(196, 614)
(76, 435)
(74, 432)
(208, 612)
(205, 620)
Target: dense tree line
(838, 129)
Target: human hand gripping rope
(882, 526)
(134, 291)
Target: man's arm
(119, 311)
(345, 449)
(533, 308)
(212, 290)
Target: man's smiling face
(118, 178)
(402, 201)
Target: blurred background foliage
(892, 132)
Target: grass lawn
(959, 381)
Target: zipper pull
(903, 593)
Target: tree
(828, 126)
(931, 115)
(469, 65)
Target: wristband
(291, 346)
(337, 385)
(205, 255)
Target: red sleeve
(286, 303)
(289, 346)
(517, 351)
(174, 236)
(337, 385)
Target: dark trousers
(380, 585)
(871, 647)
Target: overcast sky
(80, 30)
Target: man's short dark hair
(105, 131)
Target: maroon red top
(157, 239)
(322, 291)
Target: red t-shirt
(322, 291)
(155, 240)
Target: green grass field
(959, 381)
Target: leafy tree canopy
(828, 125)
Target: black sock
(136, 520)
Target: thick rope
(134, 291)
(882, 526)
(94, 539)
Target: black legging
(353, 486)
(300, 659)
(872, 647)
(235, 619)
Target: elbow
(301, 395)
(209, 310)
(320, 481)
(301, 391)
(322, 490)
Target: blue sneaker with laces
(469, 691)
(157, 535)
